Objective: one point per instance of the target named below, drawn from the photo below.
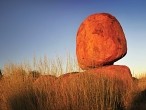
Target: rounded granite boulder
(100, 41)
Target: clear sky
(37, 27)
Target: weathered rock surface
(100, 41)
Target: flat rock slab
(100, 41)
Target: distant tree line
(1, 73)
(33, 73)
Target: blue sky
(39, 28)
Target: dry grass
(73, 91)
(139, 95)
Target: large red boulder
(100, 41)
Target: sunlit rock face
(100, 41)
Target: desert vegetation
(44, 86)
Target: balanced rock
(100, 41)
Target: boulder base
(119, 72)
(75, 90)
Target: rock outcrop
(100, 42)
